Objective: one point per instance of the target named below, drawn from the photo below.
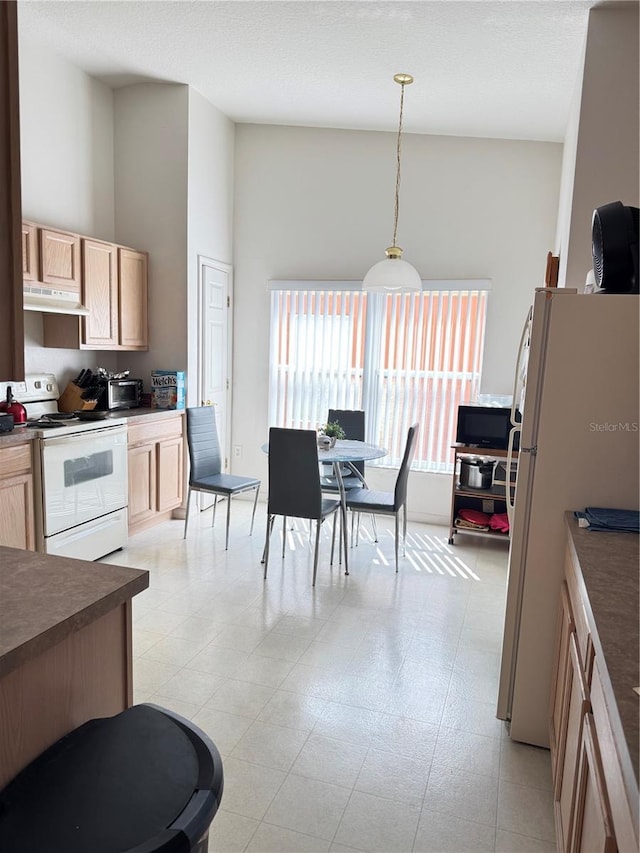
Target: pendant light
(394, 274)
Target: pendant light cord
(398, 150)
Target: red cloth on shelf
(474, 516)
(499, 521)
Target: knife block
(71, 400)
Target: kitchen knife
(78, 380)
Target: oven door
(84, 476)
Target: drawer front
(583, 637)
(157, 429)
(15, 459)
(620, 782)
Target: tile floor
(356, 716)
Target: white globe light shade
(392, 274)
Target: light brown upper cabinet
(60, 259)
(29, 251)
(100, 295)
(114, 289)
(132, 294)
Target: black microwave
(486, 426)
(119, 394)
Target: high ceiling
(493, 68)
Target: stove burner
(44, 424)
(53, 419)
(58, 416)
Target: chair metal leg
(397, 532)
(374, 527)
(264, 550)
(265, 555)
(333, 539)
(315, 558)
(344, 541)
(253, 514)
(215, 504)
(186, 515)
(404, 530)
(226, 542)
(284, 533)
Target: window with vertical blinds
(401, 357)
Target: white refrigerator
(577, 381)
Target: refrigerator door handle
(519, 377)
(509, 497)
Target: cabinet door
(16, 512)
(132, 295)
(29, 252)
(100, 294)
(575, 706)
(169, 474)
(142, 483)
(557, 733)
(60, 259)
(592, 827)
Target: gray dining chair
(352, 422)
(388, 503)
(206, 467)
(294, 488)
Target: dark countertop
(140, 414)
(609, 564)
(44, 598)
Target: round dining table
(345, 452)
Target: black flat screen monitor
(485, 426)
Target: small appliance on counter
(6, 422)
(12, 407)
(108, 391)
(119, 394)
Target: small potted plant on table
(329, 433)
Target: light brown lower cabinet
(155, 459)
(583, 793)
(17, 529)
(593, 825)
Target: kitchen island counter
(65, 648)
(46, 598)
(608, 572)
(595, 711)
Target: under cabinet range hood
(48, 301)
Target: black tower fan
(614, 246)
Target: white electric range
(80, 472)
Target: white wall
(318, 204)
(151, 152)
(66, 125)
(210, 207)
(602, 150)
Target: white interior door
(214, 366)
